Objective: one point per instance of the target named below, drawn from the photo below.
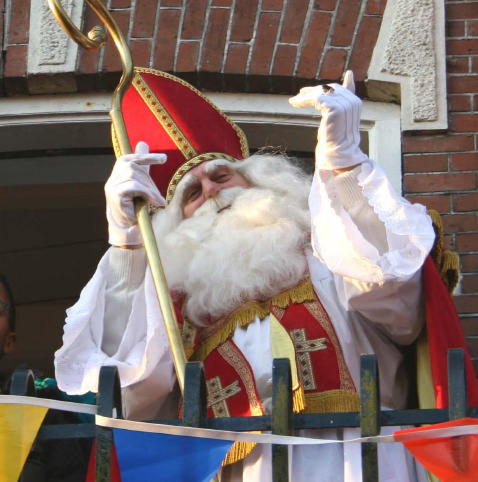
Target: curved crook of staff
(95, 38)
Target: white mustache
(223, 200)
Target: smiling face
(205, 182)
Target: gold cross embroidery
(303, 347)
(217, 395)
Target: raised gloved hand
(129, 179)
(338, 137)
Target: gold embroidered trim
(163, 117)
(318, 312)
(332, 401)
(237, 129)
(234, 357)
(188, 165)
(217, 396)
(188, 336)
(224, 329)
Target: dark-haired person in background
(51, 460)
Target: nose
(210, 188)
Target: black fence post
(195, 399)
(457, 397)
(369, 415)
(281, 416)
(109, 401)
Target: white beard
(251, 251)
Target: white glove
(129, 179)
(338, 137)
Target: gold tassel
(238, 451)
(239, 318)
(247, 313)
(332, 401)
(300, 294)
(450, 269)
(298, 400)
(437, 250)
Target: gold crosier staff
(96, 38)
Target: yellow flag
(19, 425)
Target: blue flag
(145, 456)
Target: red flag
(452, 459)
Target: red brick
(469, 262)
(460, 223)
(474, 65)
(460, 103)
(462, 10)
(472, 28)
(470, 326)
(449, 242)
(426, 163)
(264, 43)
(193, 23)
(439, 182)
(140, 51)
(325, 5)
(243, 20)
(166, 39)
(284, 60)
(462, 47)
(221, 3)
(375, 7)
(88, 63)
(475, 101)
(19, 22)
(345, 22)
(313, 44)
(236, 61)
(462, 84)
(464, 122)
(467, 242)
(438, 143)
(144, 19)
(171, 3)
(466, 304)
(455, 28)
(457, 65)
(440, 203)
(469, 283)
(120, 4)
(111, 60)
(294, 20)
(188, 55)
(272, 4)
(333, 65)
(361, 52)
(215, 40)
(464, 162)
(16, 61)
(465, 202)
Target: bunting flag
(451, 459)
(154, 456)
(19, 425)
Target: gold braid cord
(447, 261)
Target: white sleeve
(113, 324)
(374, 242)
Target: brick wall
(279, 45)
(441, 170)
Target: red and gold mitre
(174, 118)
